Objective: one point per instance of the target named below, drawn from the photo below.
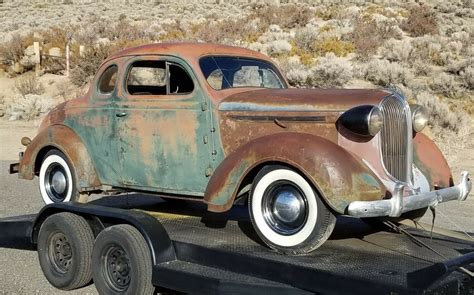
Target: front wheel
(57, 179)
(287, 213)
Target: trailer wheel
(287, 213)
(65, 243)
(121, 262)
(57, 179)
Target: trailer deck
(220, 253)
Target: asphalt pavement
(20, 272)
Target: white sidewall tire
(52, 159)
(257, 212)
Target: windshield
(223, 72)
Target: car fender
(338, 175)
(67, 141)
(428, 158)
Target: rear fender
(335, 173)
(67, 141)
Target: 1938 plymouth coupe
(217, 124)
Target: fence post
(81, 50)
(67, 60)
(37, 59)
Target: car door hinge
(204, 106)
(205, 139)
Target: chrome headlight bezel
(375, 121)
(419, 117)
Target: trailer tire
(65, 243)
(121, 262)
(287, 213)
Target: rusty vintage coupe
(218, 124)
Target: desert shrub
(385, 73)
(287, 16)
(85, 66)
(28, 84)
(331, 71)
(329, 12)
(421, 21)
(441, 115)
(222, 31)
(367, 38)
(12, 50)
(334, 45)
(305, 38)
(446, 85)
(397, 50)
(278, 47)
(297, 74)
(467, 76)
(28, 107)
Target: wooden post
(36, 47)
(67, 60)
(81, 50)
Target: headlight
(365, 120)
(419, 117)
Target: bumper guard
(395, 206)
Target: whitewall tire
(57, 179)
(287, 213)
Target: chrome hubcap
(59, 182)
(55, 183)
(284, 207)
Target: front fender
(337, 174)
(429, 159)
(66, 140)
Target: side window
(158, 78)
(180, 82)
(108, 79)
(147, 78)
(215, 79)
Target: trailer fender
(338, 175)
(99, 217)
(67, 141)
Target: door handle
(121, 114)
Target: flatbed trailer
(194, 251)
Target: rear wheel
(122, 262)
(65, 243)
(287, 213)
(57, 179)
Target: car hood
(304, 100)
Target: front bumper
(398, 204)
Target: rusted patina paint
(429, 159)
(336, 174)
(66, 140)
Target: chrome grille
(396, 137)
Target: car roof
(188, 50)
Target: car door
(95, 122)
(162, 127)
